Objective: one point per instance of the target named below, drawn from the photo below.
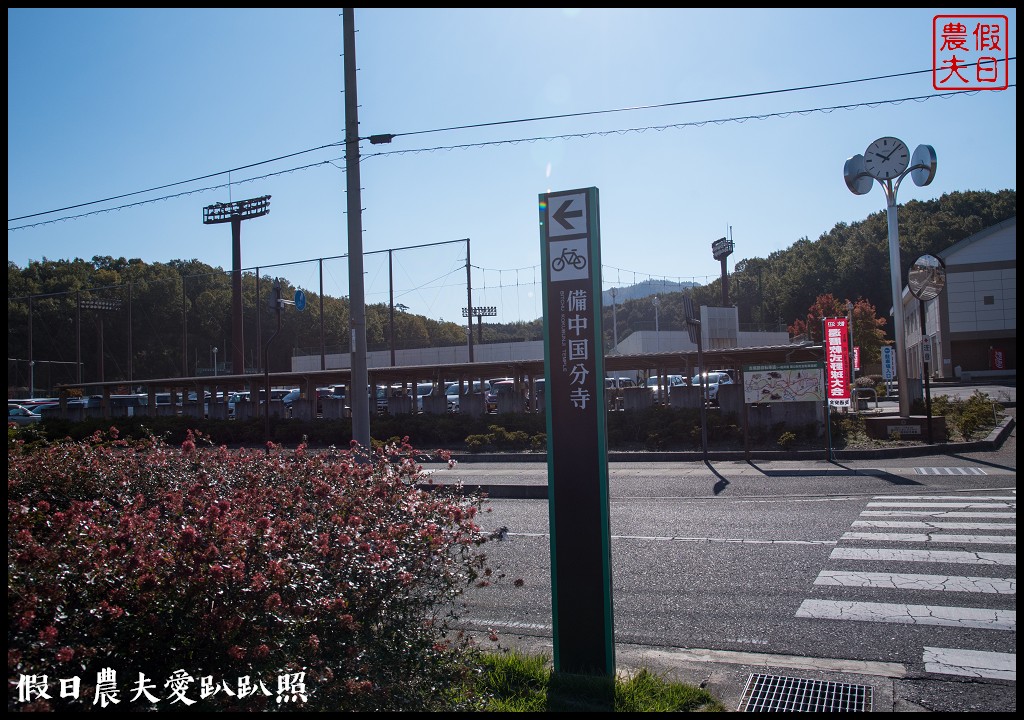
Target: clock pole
(885, 160)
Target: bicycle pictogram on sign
(571, 257)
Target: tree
(868, 328)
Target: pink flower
(273, 600)
(48, 634)
(238, 653)
(65, 655)
(188, 537)
(261, 651)
(276, 570)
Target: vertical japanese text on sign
(837, 363)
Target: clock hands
(886, 158)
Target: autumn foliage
(146, 558)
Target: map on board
(784, 382)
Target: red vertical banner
(837, 362)
(997, 358)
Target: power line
(166, 197)
(677, 126)
(486, 124)
(566, 136)
(676, 103)
(174, 184)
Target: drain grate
(772, 693)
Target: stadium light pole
(235, 213)
(104, 305)
(479, 313)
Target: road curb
(994, 440)
(538, 491)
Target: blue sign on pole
(888, 362)
(300, 300)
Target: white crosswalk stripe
(911, 581)
(971, 663)
(931, 537)
(937, 513)
(981, 618)
(931, 520)
(919, 525)
(932, 556)
(917, 505)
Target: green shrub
(786, 440)
(475, 443)
(967, 417)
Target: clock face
(886, 158)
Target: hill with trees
(784, 290)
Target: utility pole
(615, 326)
(391, 305)
(468, 312)
(360, 402)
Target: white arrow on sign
(567, 215)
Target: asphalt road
(788, 569)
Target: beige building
(972, 324)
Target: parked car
(452, 393)
(21, 415)
(331, 392)
(537, 399)
(654, 385)
(714, 380)
(423, 390)
(500, 389)
(36, 405)
(233, 399)
(617, 383)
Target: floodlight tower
(721, 249)
(479, 313)
(235, 213)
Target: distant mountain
(645, 289)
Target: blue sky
(107, 103)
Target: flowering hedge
(241, 580)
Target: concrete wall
(793, 416)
